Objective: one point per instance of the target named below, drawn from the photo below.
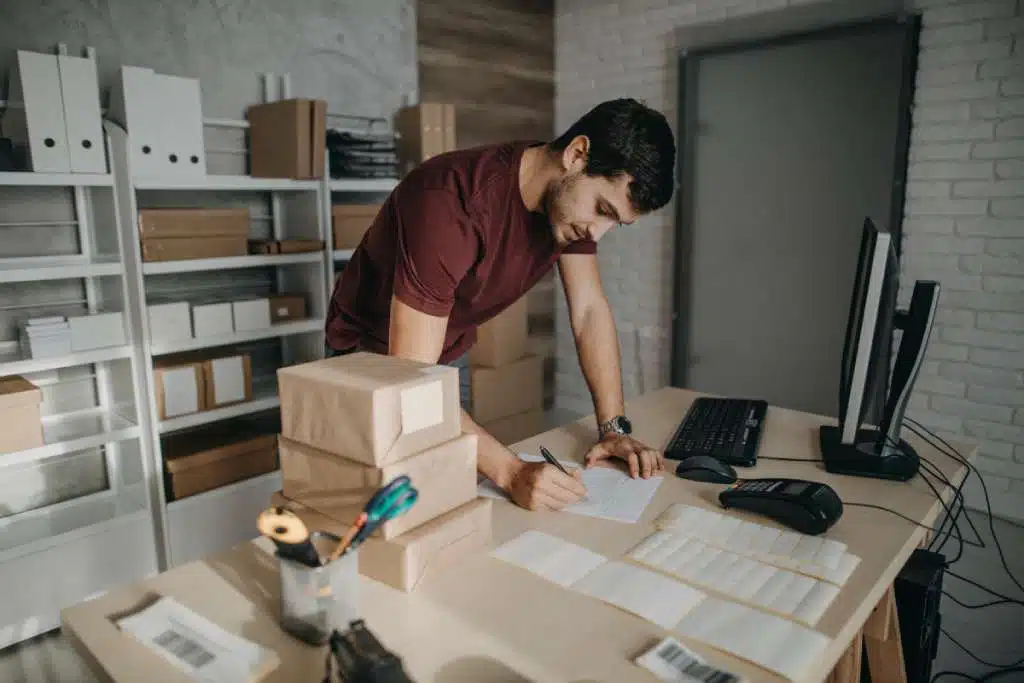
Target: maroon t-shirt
(453, 239)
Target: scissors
(391, 501)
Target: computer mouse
(706, 468)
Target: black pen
(551, 459)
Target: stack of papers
(815, 556)
(775, 643)
(611, 493)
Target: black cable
(992, 603)
(977, 658)
(979, 586)
(953, 518)
(987, 678)
(891, 512)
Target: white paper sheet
(654, 597)
(556, 560)
(611, 493)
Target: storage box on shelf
(287, 139)
(426, 130)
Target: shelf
(363, 184)
(227, 182)
(14, 364)
(72, 432)
(229, 262)
(343, 254)
(281, 330)
(264, 397)
(31, 179)
(34, 269)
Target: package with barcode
(673, 662)
(197, 647)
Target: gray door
(795, 146)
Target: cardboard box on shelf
(250, 314)
(21, 426)
(172, 223)
(516, 387)
(179, 386)
(195, 462)
(508, 430)
(212, 319)
(185, 248)
(169, 321)
(288, 139)
(349, 222)
(445, 477)
(392, 407)
(501, 339)
(97, 331)
(287, 308)
(405, 561)
(425, 130)
(227, 380)
(299, 246)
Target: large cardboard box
(288, 139)
(404, 562)
(21, 427)
(198, 462)
(184, 248)
(516, 387)
(425, 130)
(445, 477)
(349, 222)
(369, 407)
(509, 430)
(501, 339)
(160, 223)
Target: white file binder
(37, 118)
(80, 93)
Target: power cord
(987, 678)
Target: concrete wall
(964, 221)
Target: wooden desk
(485, 620)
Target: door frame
(688, 74)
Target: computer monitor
(867, 440)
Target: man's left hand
(643, 461)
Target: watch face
(624, 424)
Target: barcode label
(185, 649)
(673, 663)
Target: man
(467, 233)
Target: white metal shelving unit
(89, 525)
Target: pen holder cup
(316, 600)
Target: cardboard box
(287, 308)
(169, 322)
(179, 386)
(213, 319)
(227, 380)
(21, 426)
(516, 387)
(349, 222)
(509, 430)
(198, 462)
(250, 314)
(368, 407)
(184, 248)
(501, 339)
(299, 246)
(97, 331)
(404, 562)
(425, 130)
(190, 222)
(444, 475)
(288, 139)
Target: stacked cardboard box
(424, 130)
(507, 381)
(287, 139)
(173, 234)
(350, 425)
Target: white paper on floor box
(611, 493)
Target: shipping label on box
(369, 407)
(212, 319)
(502, 339)
(227, 380)
(517, 387)
(250, 314)
(287, 308)
(444, 475)
(180, 388)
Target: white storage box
(46, 339)
(97, 331)
(169, 322)
(251, 314)
(212, 319)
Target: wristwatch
(619, 424)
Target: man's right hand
(540, 486)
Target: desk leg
(883, 644)
(847, 669)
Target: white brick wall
(964, 222)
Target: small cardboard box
(193, 222)
(502, 339)
(185, 248)
(212, 319)
(425, 130)
(369, 407)
(201, 462)
(227, 380)
(299, 246)
(516, 387)
(169, 321)
(445, 477)
(349, 222)
(508, 430)
(250, 314)
(288, 139)
(20, 425)
(404, 562)
(179, 386)
(97, 331)
(287, 308)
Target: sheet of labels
(778, 644)
(821, 558)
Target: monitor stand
(867, 457)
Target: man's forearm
(597, 344)
(494, 460)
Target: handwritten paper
(611, 493)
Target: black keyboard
(725, 428)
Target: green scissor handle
(393, 500)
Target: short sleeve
(436, 247)
(581, 247)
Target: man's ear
(574, 157)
